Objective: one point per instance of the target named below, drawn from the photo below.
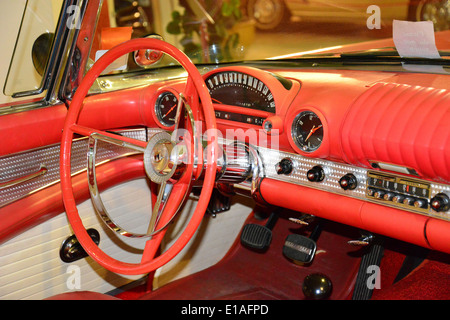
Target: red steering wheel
(158, 171)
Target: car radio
(406, 193)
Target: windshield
(211, 31)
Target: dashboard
(348, 135)
(367, 149)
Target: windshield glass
(213, 31)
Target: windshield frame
(59, 59)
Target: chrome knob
(440, 203)
(398, 199)
(316, 174)
(348, 182)
(285, 166)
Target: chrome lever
(304, 220)
(42, 170)
(365, 240)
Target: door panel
(30, 266)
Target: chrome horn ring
(160, 158)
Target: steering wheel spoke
(111, 138)
(161, 201)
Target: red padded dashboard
(403, 125)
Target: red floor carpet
(248, 275)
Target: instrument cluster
(241, 90)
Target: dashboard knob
(273, 125)
(440, 203)
(348, 182)
(419, 203)
(379, 194)
(316, 174)
(398, 198)
(408, 201)
(388, 196)
(285, 166)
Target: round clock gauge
(307, 131)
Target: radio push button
(408, 201)
(398, 198)
(419, 203)
(388, 196)
(379, 194)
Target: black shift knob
(317, 286)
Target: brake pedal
(299, 248)
(258, 237)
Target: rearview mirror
(41, 51)
(148, 57)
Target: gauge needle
(314, 129)
(169, 111)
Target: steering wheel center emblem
(160, 158)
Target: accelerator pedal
(258, 237)
(371, 258)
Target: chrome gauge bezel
(312, 130)
(162, 118)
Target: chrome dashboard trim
(334, 172)
(14, 182)
(15, 166)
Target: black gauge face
(166, 108)
(241, 90)
(307, 131)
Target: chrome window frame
(55, 76)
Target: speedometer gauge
(240, 89)
(307, 131)
(166, 108)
